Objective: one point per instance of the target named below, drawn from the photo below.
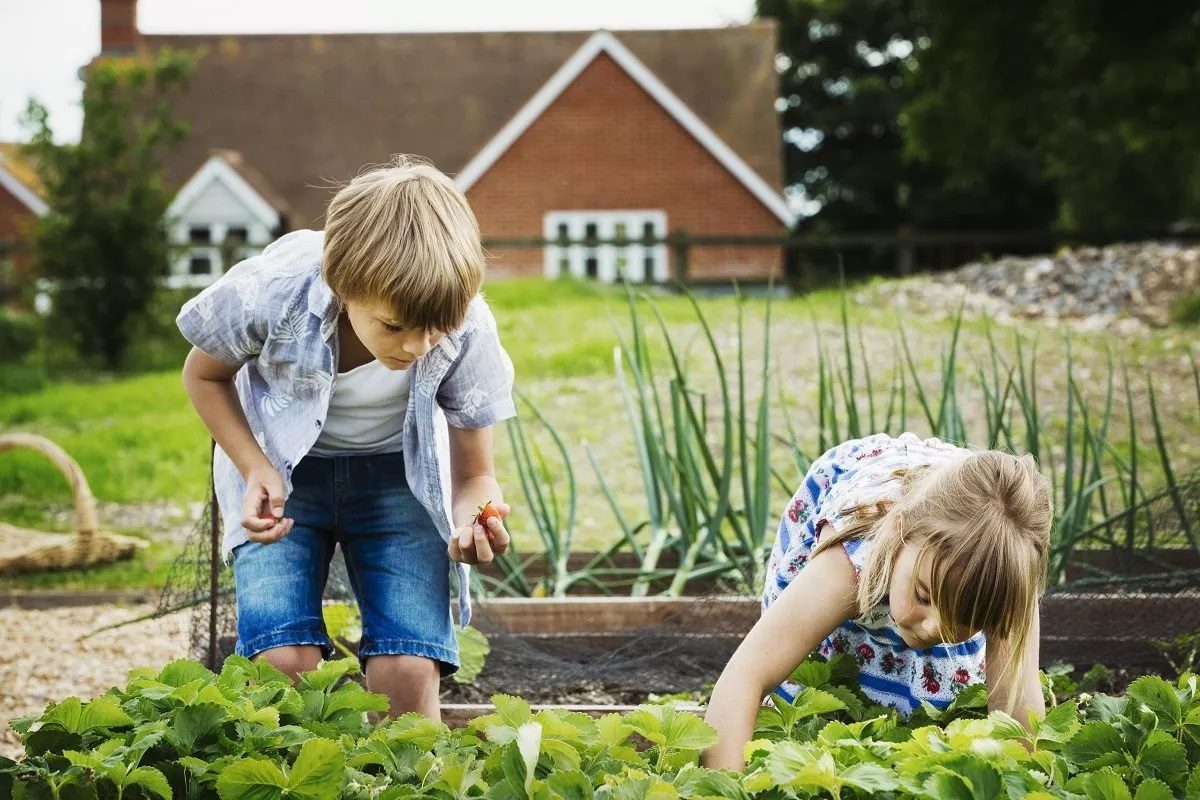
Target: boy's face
(393, 342)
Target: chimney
(118, 26)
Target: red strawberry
(486, 512)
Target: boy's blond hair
(983, 523)
(403, 234)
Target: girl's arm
(473, 483)
(820, 598)
(1018, 695)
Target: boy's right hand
(262, 510)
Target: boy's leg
(279, 585)
(409, 682)
(400, 573)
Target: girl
(913, 557)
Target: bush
(19, 335)
(249, 733)
(1186, 310)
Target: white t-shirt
(366, 412)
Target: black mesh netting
(1148, 556)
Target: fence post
(679, 254)
(906, 251)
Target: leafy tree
(103, 242)
(849, 70)
(1096, 98)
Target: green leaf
(193, 723)
(794, 765)
(328, 673)
(870, 778)
(251, 779)
(1095, 745)
(473, 648)
(1163, 757)
(1159, 698)
(668, 727)
(1153, 789)
(319, 771)
(529, 744)
(812, 702)
(1059, 724)
(980, 776)
(812, 673)
(1104, 785)
(570, 785)
(352, 697)
(948, 786)
(1193, 785)
(693, 781)
(417, 730)
(75, 717)
(150, 779)
(184, 671)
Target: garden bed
(623, 651)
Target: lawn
(139, 442)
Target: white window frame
(608, 256)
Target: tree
(849, 70)
(843, 77)
(103, 243)
(1097, 98)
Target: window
(607, 245)
(200, 265)
(200, 234)
(591, 258)
(237, 236)
(564, 260)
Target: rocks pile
(1125, 286)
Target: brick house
(20, 204)
(571, 135)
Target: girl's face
(396, 345)
(911, 605)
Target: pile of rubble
(1126, 286)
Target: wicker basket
(25, 550)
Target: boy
(349, 379)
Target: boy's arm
(473, 483)
(820, 598)
(1022, 695)
(209, 384)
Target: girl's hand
(483, 538)
(262, 508)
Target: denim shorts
(396, 560)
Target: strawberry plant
(248, 734)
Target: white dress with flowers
(859, 472)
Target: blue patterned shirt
(862, 472)
(274, 317)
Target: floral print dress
(858, 472)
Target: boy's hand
(262, 510)
(474, 543)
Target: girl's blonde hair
(403, 234)
(983, 524)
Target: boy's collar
(323, 303)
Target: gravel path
(44, 657)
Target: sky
(44, 42)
